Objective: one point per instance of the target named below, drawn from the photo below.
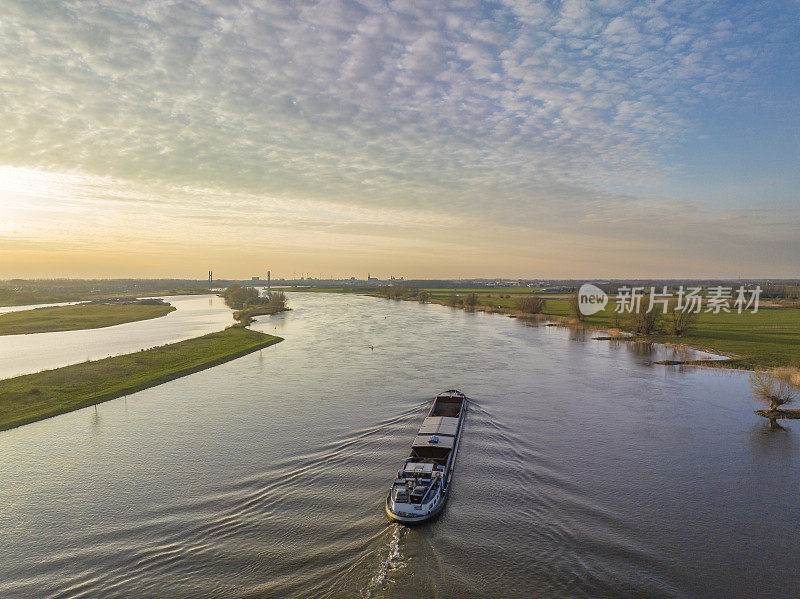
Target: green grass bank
(766, 339)
(85, 291)
(80, 316)
(33, 397)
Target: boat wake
(391, 561)
(284, 498)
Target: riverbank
(767, 339)
(33, 397)
(78, 317)
(31, 298)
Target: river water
(584, 471)
(193, 316)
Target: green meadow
(766, 339)
(32, 397)
(79, 316)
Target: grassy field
(768, 338)
(494, 291)
(32, 397)
(9, 297)
(496, 298)
(73, 318)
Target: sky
(563, 139)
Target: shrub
(650, 320)
(395, 292)
(640, 320)
(531, 304)
(471, 300)
(276, 301)
(681, 321)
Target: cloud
(506, 112)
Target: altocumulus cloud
(500, 112)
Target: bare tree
(575, 308)
(644, 320)
(774, 387)
(615, 319)
(277, 301)
(531, 304)
(681, 321)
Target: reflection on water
(771, 438)
(95, 418)
(584, 471)
(645, 351)
(579, 334)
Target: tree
(471, 300)
(644, 320)
(615, 319)
(276, 301)
(423, 296)
(681, 321)
(773, 387)
(237, 297)
(650, 320)
(575, 307)
(395, 292)
(531, 304)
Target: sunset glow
(483, 139)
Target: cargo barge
(420, 489)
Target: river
(193, 316)
(585, 470)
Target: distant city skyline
(606, 139)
